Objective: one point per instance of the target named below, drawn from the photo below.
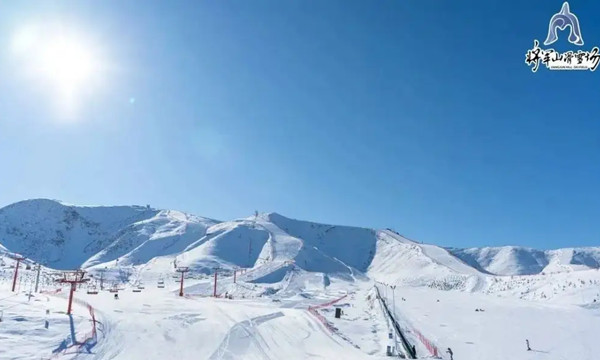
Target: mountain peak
(66, 236)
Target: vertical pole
(250, 252)
(394, 312)
(234, 275)
(16, 272)
(37, 277)
(71, 298)
(394, 298)
(215, 288)
(181, 285)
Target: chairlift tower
(73, 278)
(215, 286)
(38, 268)
(182, 270)
(18, 258)
(102, 271)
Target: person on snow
(449, 351)
(527, 342)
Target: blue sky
(416, 115)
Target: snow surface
(500, 331)
(290, 276)
(515, 260)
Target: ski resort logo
(570, 60)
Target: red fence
(433, 350)
(329, 303)
(92, 334)
(89, 337)
(321, 318)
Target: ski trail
(284, 246)
(241, 336)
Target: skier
(449, 351)
(527, 342)
(116, 296)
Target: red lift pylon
(215, 287)
(19, 258)
(73, 278)
(182, 270)
(235, 272)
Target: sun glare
(60, 60)
(68, 64)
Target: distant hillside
(514, 260)
(66, 237)
(63, 236)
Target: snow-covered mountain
(63, 236)
(515, 260)
(292, 272)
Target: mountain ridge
(65, 236)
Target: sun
(60, 60)
(67, 63)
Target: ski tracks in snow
(241, 336)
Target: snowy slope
(67, 237)
(270, 242)
(515, 260)
(448, 319)
(168, 232)
(288, 276)
(402, 261)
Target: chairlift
(28, 267)
(161, 284)
(92, 290)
